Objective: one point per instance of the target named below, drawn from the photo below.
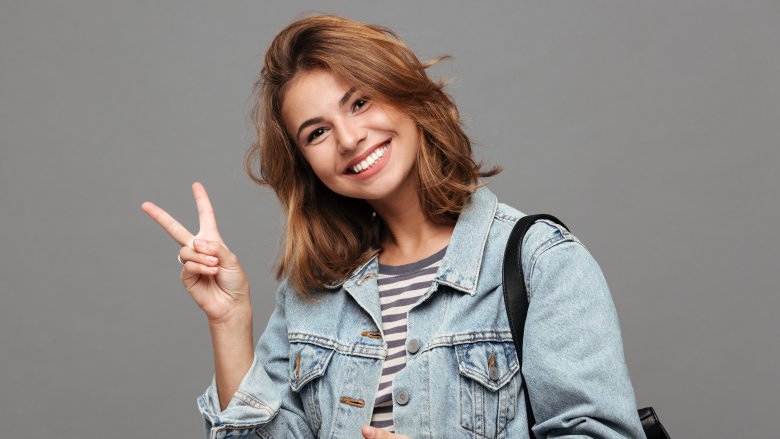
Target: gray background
(650, 128)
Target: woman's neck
(411, 235)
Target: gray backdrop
(650, 128)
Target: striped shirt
(400, 287)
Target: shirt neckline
(412, 266)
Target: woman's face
(358, 148)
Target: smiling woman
(332, 92)
(390, 320)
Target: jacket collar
(462, 262)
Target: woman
(389, 316)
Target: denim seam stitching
(230, 426)
(507, 218)
(315, 372)
(463, 419)
(356, 349)
(254, 402)
(563, 231)
(543, 247)
(536, 257)
(426, 385)
(479, 393)
(447, 343)
(493, 336)
(564, 236)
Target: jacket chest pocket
(489, 385)
(308, 363)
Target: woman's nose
(349, 135)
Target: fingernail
(367, 431)
(197, 242)
(212, 259)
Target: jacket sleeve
(573, 358)
(264, 405)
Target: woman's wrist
(238, 318)
(233, 338)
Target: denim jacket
(318, 365)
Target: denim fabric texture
(317, 366)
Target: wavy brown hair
(328, 235)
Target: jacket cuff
(245, 415)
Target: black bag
(516, 301)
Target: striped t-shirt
(400, 287)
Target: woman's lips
(377, 166)
(368, 152)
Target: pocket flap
(307, 361)
(475, 361)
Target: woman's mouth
(372, 163)
(369, 161)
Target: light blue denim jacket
(318, 365)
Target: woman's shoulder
(542, 234)
(542, 237)
(554, 259)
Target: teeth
(370, 160)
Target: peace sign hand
(211, 273)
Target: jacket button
(413, 346)
(493, 373)
(402, 397)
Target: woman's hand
(377, 433)
(211, 272)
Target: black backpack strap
(516, 295)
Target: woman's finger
(213, 248)
(193, 267)
(189, 254)
(208, 221)
(172, 227)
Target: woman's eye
(359, 103)
(314, 134)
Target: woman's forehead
(312, 92)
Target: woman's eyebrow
(317, 120)
(309, 122)
(346, 96)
